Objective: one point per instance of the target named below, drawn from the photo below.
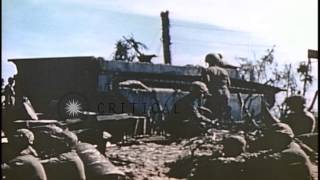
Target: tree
(257, 70)
(122, 51)
(135, 45)
(247, 69)
(304, 70)
(267, 71)
(286, 78)
(128, 49)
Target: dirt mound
(146, 160)
(143, 161)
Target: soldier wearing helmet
(218, 82)
(199, 89)
(299, 118)
(3, 98)
(282, 153)
(25, 164)
(23, 140)
(9, 93)
(278, 136)
(57, 147)
(214, 59)
(186, 118)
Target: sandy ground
(148, 161)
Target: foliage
(266, 71)
(127, 49)
(257, 70)
(286, 78)
(122, 51)
(304, 70)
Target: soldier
(25, 165)
(299, 118)
(57, 148)
(98, 167)
(9, 113)
(287, 159)
(280, 158)
(9, 93)
(218, 82)
(3, 97)
(185, 118)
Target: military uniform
(287, 159)
(25, 165)
(3, 97)
(218, 81)
(301, 122)
(8, 101)
(185, 119)
(97, 166)
(9, 94)
(69, 165)
(291, 163)
(282, 159)
(299, 119)
(58, 144)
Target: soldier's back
(25, 167)
(291, 163)
(297, 164)
(218, 78)
(181, 110)
(182, 119)
(97, 166)
(301, 123)
(67, 166)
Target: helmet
(10, 80)
(213, 58)
(52, 139)
(69, 137)
(295, 100)
(198, 86)
(234, 145)
(55, 133)
(24, 135)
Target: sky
(242, 28)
